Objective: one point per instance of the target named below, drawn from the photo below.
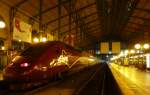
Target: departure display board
(104, 47)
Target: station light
(111, 59)
(131, 57)
(36, 40)
(98, 52)
(138, 51)
(137, 46)
(3, 48)
(110, 52)
(148, 60)
(2, 23)
(126, 51)
(44, 39)
(121, 54)
(141, 55)
(132, 51)
(116, 57)
(146, 46)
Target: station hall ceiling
(92, 21)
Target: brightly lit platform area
(138, 57)
(131, 80)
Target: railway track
(101, 83)
(82, 87)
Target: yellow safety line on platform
(121, 82)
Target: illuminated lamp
(137, 51)
(36, 40)
(126, 51)
(3, 48)
(97, 52)
(44, 39)
(148, 60)
(132, 51)
(2, 23)
(137, 46)
(146, 46)
(110, 52)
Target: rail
(101, 82)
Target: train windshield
(33, 52)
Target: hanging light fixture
(36, 40)
(137, 46)
(146, 46)
(2, 23)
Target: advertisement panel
(22, 31)
(104, 47)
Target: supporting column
(59, 18)
(10, 33)
(9, 39)
(76, 35)
(70, 39)
(40, 19)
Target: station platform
(131, 80)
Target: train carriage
(40, 62)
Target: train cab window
(33, 52)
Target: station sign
(104, 47)
(116, 47)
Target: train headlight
(24, 64)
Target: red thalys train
(39, 63)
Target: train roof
(48, 43)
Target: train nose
(17, 69)
(10, 75)
(14, 76)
